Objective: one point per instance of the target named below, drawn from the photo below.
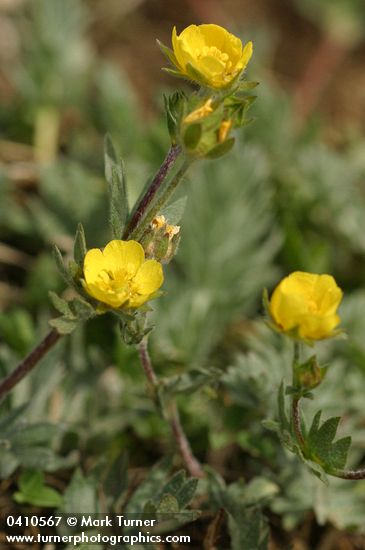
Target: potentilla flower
(305, 305)
(119, 275)
(209, 55)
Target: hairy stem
(148, 197)
(350, 474)
(172, 415)
(295, 401)
(31, 361)
(147, 365)
(297, 423)
(183, 444)
(156, 206)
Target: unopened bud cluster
(161, 240)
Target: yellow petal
(214, 35)
(149, 277)
(123, 256)
(186, 44)
(313, 327)
(94, 262)
(246, 55)
(113, 299)
(327, 294)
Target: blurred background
(290, 196)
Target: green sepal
(174, 108)
(247, 85)
(133, 331)
(221, 149)
(118, 199)
(195, 75)
(168, 53)
(80, 246)
(174, 73)
(75, 271)
(307, 376)
(266, 302)
(64, 272)
(192, 136)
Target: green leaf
(168, 505)
(35, 457)
(60, 305)
(81, 495)
(192, 136)
(8, 463)
(9, 420)
(34, 434)
(175, 483)
(175, 211)
(187, 492)
(192, 380)
(63, 325)
(80, 245)
(149, 487)
(116, 479)
(33, 491)
(221, 149)
(321, 447)
(118, 200)
(82, 309)
(250, 531)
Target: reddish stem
(8, 383)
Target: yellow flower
(120, 276)
(209, 55)
(305, 304)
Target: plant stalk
(342, 474)
(148, 197)
(31, 361)
(297, 422)
(295, 401)
(171, 414)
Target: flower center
(213, 51)
(312, 306)
(114, 282)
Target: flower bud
(161, 240)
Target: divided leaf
(322, 448)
